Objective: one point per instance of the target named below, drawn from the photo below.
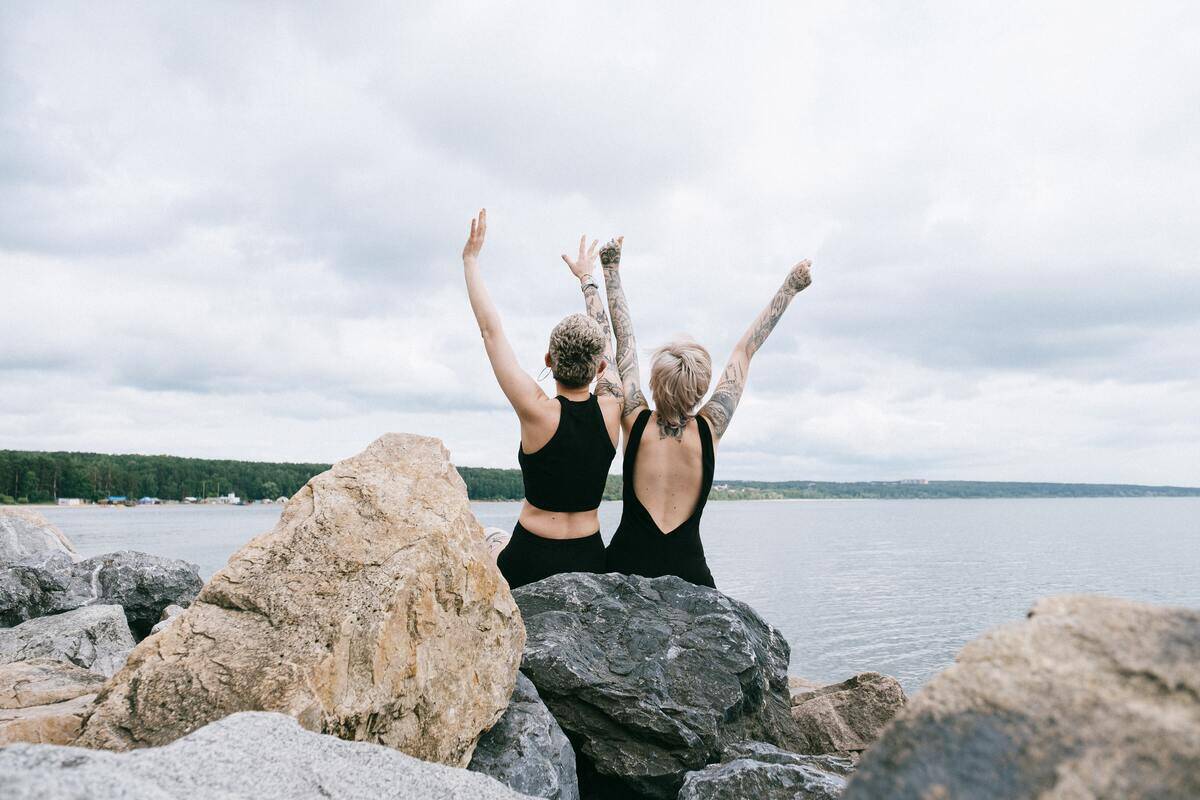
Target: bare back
(668, 475)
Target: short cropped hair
(576, 347)
(680, 372)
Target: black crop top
(569, 472)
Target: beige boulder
(1090, 697)
(844, 717)
(44, 701)
(372, 612)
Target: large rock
(758, 771)
(142, 584)
(372, 611)
(44, 701)
(527, 750)
(94, 637)
(1090, 697)
(652, 677)
(25, 533)
(847, 716)
(250, 756)
(42, 681)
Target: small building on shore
(70, 501)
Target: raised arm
(609, 384)
(520, 389)
(720, 407)
(627, 361)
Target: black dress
(567, 474)
(640, 547)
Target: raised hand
(586, 261)
(799, 278)
(475, 240)
(610, 254)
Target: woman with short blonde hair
(667, 478)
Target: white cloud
(233, 231)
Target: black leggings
(528, 557)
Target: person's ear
(547, 360)
(601, 367)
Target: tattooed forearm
(610, 382)
(768, 319)
(724, 401)
(622, 322)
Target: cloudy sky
(234, 230)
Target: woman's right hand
(475, 240)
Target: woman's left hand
(585, 263)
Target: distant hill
(41, 477)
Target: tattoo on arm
(724, 401)
(610, 382)
(627, 361)
(768, 319)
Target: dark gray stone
(651, 678)
(527, 750)
(247, 756)
(1089, 697)
(94, 637)
(758, 771)
(142, 584)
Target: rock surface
(94, 637)
(1090, 697)
(758, 771)
(169, 613)
(372, 611)
(55, 723)
(25, 533)
(250, 756)
(527, 750)
(140, 583)
(847, 716)
(42, 681)
(652, 677)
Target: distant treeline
(37, 477)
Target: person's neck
(577, 393)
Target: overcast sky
(235, 231)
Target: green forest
(40, 477)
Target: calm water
(896, 586)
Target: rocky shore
(367, 647)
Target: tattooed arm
(609, 383)
(720, 407)
(520, 389)
(627, 362)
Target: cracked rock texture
(651, 678)
(96, 638)
(847, 716)
(1088, 697)
(43, 700)
(758, 771)
(527, 750)
(372, 611)
(247, 756)
(25, 533)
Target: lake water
(896, 586)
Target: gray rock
(142, 584)
(1089, 697)
(169, 613)
(846, 716)
(527, 750)
(246, 756)
(94, 637)
(25, 533)
(652, 677)
(762, 772)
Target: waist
(528, 537)
(559, 524)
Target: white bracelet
(586, 280)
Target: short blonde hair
(576, 346)
(680, 372)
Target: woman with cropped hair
(667, 477)
(567, 442)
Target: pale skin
(538, 413)
(669, 469)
